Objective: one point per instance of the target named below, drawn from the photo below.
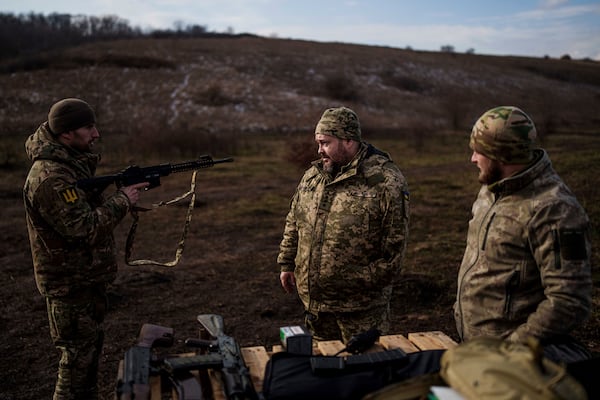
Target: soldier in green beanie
(71, 237)
(526, 268)
(345, 234)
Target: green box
(296, 339)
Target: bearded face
(490, 171)
(334, 152)
(81, 139)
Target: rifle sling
(180, 246)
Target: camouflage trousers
(77, 332)
(343, 325)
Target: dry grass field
(257, 100)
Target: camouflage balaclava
(340, 122)
(505, 134)
(70, 114)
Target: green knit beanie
(70, 114)
(340, 122)
(504, 134)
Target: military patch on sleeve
(572, 244)
(69, 195)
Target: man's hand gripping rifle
(135, 174)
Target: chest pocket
(356, 211)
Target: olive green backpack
(490, 368)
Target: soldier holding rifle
(71, 237)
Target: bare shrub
(12, 152)
(403, 82)
(156, 139)
(457, 104)
(186, 142)
(62, 60)
(214, 96)
(341, 87)
(301, 151)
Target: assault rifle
(223, 355)
(181, 373)
(138, 364)
(135, 174)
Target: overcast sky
(510, 27)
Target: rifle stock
(213, 323)
(134, 380)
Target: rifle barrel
(202, 162)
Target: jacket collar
(513, 183)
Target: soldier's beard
(491, 174)
(333, 167)
(330, 166)
(335, 159)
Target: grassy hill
(253, 85)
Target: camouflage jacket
(526, 268)
(345, 238)
(70, 231)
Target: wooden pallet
(256, 357)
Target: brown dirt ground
(228, 268)
(242, 286)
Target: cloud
(552, 3)
(500, 39)
(586, 10)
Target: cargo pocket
(63, 321)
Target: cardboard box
(296, 339)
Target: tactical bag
(294, 377)
(491, 368)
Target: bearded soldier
(345, 234)
(526, 268)
(71, 237)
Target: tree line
(25, 34)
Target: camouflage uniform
(73, 252)
(526, 268)
(345, 238)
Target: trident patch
(69, 195)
